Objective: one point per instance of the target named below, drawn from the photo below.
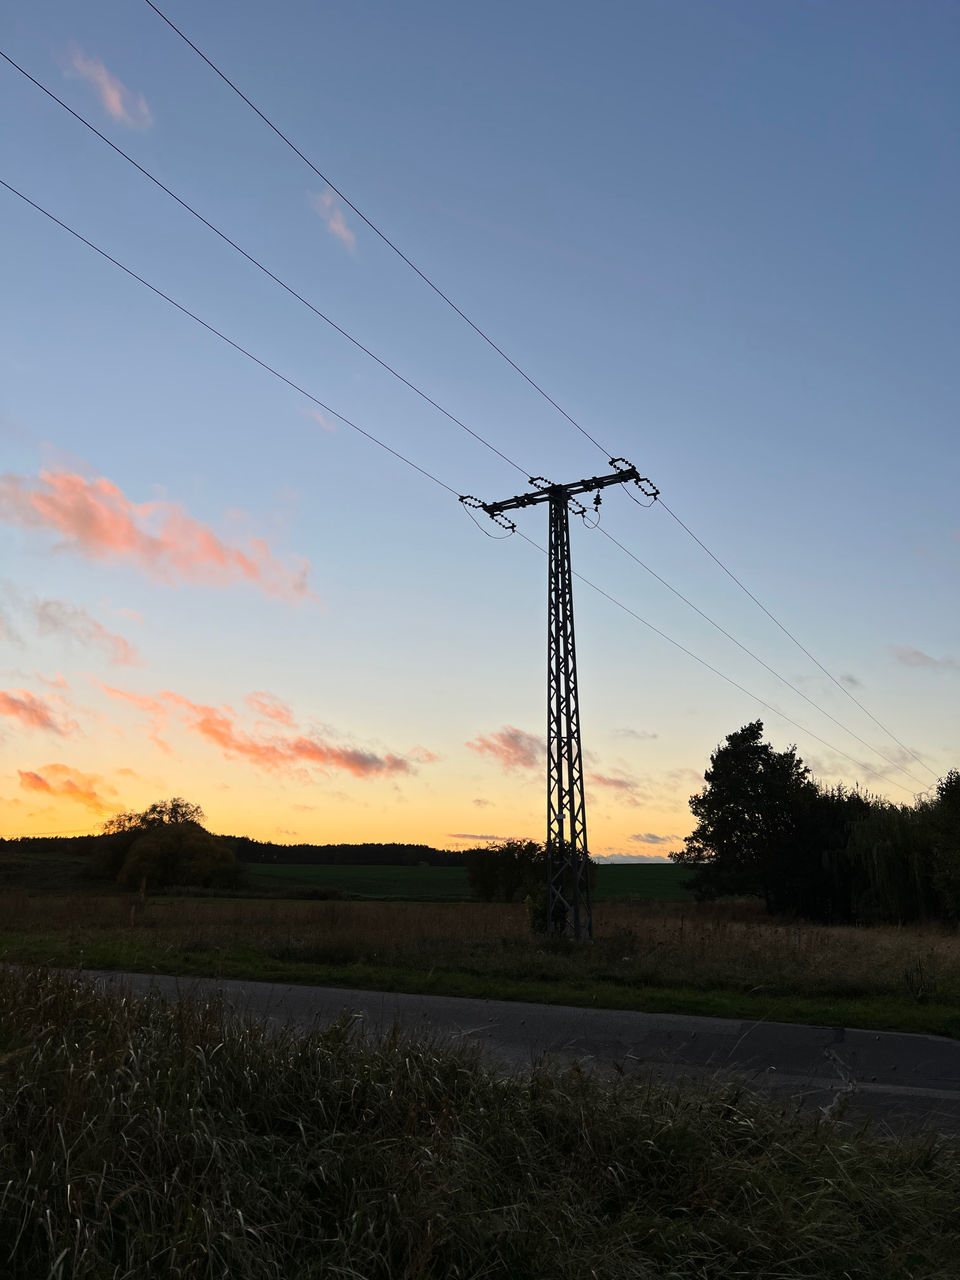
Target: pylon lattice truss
(568, 858)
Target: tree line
(766, 828)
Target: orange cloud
(265, 704)
(115, 98)
(31, 711)
(512, 747)
(56, 617)
(333, 219)
(99, 521)
(62, 782)
(218, 725)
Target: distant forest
(249, 850)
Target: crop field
(449, 884)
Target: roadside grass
(141, 1139)
(725, 960)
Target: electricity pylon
(568, 859)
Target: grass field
(449, 884)
(727, 960)
(143, 1140)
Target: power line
(756, 657)
(289, 289)
(367, 221)
(717, 672)
(776, 621)
(512, 363)
(261, 267)
(230, 342)
(413, 465)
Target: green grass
(546, 983)
(615, 882)
(140, 1139)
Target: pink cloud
(98, 520)
(423, 755)
(265, 750)
(313, 413)
(512, 747)
(33, 712)
(59, 681)
(265, 704)
(117, 100)
(333, 219)
(56, 617)
(60, 781)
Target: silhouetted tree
(755, 819)
(507, 871)
(162, 846)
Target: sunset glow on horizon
(721, 237)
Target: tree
(507, 871)
(162, 846)
(160, 813)
(944, 827)
(755, 820)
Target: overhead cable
(229, 341)
(263, 364)
(499, 350)
(260, 267)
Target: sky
(719, 234)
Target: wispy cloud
(650, 837)
(638, 735)
(917, 658)
(513, 748)
(96, 519)
(119, 102)
(57, 617)
(325, 204)
(473, 835)
(62, 782)
(481, 803)
(313, 413)
(33, 712)
(627, 788)
(264, 749)
(265, 704)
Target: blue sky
(720, 235)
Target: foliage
(943, 820)
(201, 1147)
(161, 813)
(162, 846)
(753, 819)
(507, 871)
(765, 828)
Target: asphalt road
(905, 1083)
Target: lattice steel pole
(568, 882)
(568, 859)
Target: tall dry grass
(143, 1140)
(703, 946)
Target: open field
(140, 1139)
(728, 960)
(449, 884)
